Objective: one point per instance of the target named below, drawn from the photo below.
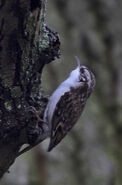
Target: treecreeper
(67, 103)
(65, 106)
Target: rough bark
(26, 45)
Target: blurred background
(91, 154)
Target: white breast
(72, 81)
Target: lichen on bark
(25, 47)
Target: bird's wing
(67, 112)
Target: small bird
(67, 103)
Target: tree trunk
(26, 45)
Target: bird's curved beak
(78, 61)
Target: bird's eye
(82, 70)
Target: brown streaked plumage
(67, 103)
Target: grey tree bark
(26, 45)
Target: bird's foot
(36, 113)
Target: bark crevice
(25, 47)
